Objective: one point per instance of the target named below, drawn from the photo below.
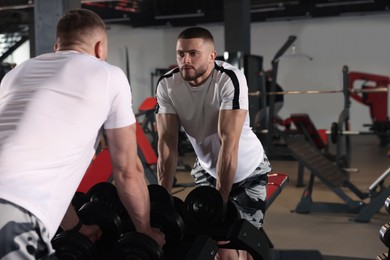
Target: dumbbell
(103, 209)
(163, 214)
(383, 256)
(384, 234)
(387, 204)
(72, 245)
(207, 214)
(205, 209)
(79, 199)
(134, 245)
(107, 194)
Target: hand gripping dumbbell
(204, 209)
(105, 210)
(205, 213)
(163, 216)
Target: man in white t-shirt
(51, 109)
(209, 99)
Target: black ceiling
(142, 13)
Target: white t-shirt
(51, 109)
(198, 111)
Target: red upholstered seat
(100, 170)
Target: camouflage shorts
(249, 195)
(22, 235)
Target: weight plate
(79, 199)
(71, 245)
(204, 208)
(137, 246)
(168, 220)
(103, 216)
(159, 194)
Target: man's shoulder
(171, 76)
(227, 70)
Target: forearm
(70, 219)
(133, 192)
(226, 171)
(166, 166)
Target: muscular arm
(229, 130)
(129, 175)
(167, 127)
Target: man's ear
(55, 47)
(98, 50)
(213, 55)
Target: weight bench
(276, 183)
(315, 137)
(146, 154)
(337, 180)
(100, 170)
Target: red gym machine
(376, 101)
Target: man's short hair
(78, 23)
(196, 32)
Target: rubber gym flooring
(329, 236)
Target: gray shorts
(248, 195)
(22, 235)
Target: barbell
(299, 92)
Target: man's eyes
(191, 53)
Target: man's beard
(198, 73)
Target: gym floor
(332, 234)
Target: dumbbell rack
(384, 234)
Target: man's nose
(186, 58)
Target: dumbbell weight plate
(79, 199)
(178, 205)
(71, 245)
(137, 246)
(158, 194)
(387, 204)
(103, 216)
(204, 208)
(382, 256)
(384, 234)
(106, 193)
(232, 213)
(168, 220)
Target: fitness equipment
(319, 140)
(71, 245)
(205, 213)
(103, 209)
(273, 150)
(337, 180)
(100, 170)
(300, 92)
(139, 246)
(384, 234)
(79, 199)
(163, 216)
(378, 103)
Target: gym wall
(360, 42)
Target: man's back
(51, 109)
